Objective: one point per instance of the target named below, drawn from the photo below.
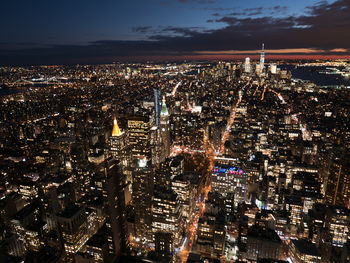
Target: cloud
(323, 29)
(165, 32)
(141, 29)
(253, 11)
(238, 14)
(256, 11)
(279, 9)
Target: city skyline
(87, 32)
(175, 131)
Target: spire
(164, 108)
(262, 58)
(116, 131)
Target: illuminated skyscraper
(247, 65)
(116, 131)
(167, 213)
(117, 144)
(227, 180)
(338, 182)
(262, 59)
(157, 105)
(165, 128)
(273, 69)
(142, 191)
(338, 223)
(139, 138)
(76, 226)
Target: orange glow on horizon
(235, 57)
(342, 50)
(267, 51)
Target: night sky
(90, 31)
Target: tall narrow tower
(247, 65)
(117, 144)
(114, 198)
(165, 128)
(157, 105)
(262, 58)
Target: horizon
(199, 59)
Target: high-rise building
(165, 128)
(303, 251)
(338, 182)
(247, 65)
(118, 145)
(182, 186)
(164, 246)
(114, 195)
(338, 223)
(28, 227)
(273, 68)
(263, 243)
(211, 236)
(258, 69)
(262, 59)
(227, 179)
(142, 191)
(157, 105)
(167, 214)
(97, 247)
(76, 225)
(117, 141)
(139, 136)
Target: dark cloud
(185, 31)
(323, 26)
(257, 11)
(279, 9)
(142, 29)
(172, 32)
(253, 11)
(238, 14)
(162, 32)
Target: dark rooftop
(306, 247)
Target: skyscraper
(247, 65)
(142, 191)
(157, 105)
(76, 227)
(117, 144)
(262, 59)
(229, 179)
(139, 135)
(165, 128)
(167, 214)
(114, 196)
(338, 181)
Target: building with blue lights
(230, 180)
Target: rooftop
(306, 247)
